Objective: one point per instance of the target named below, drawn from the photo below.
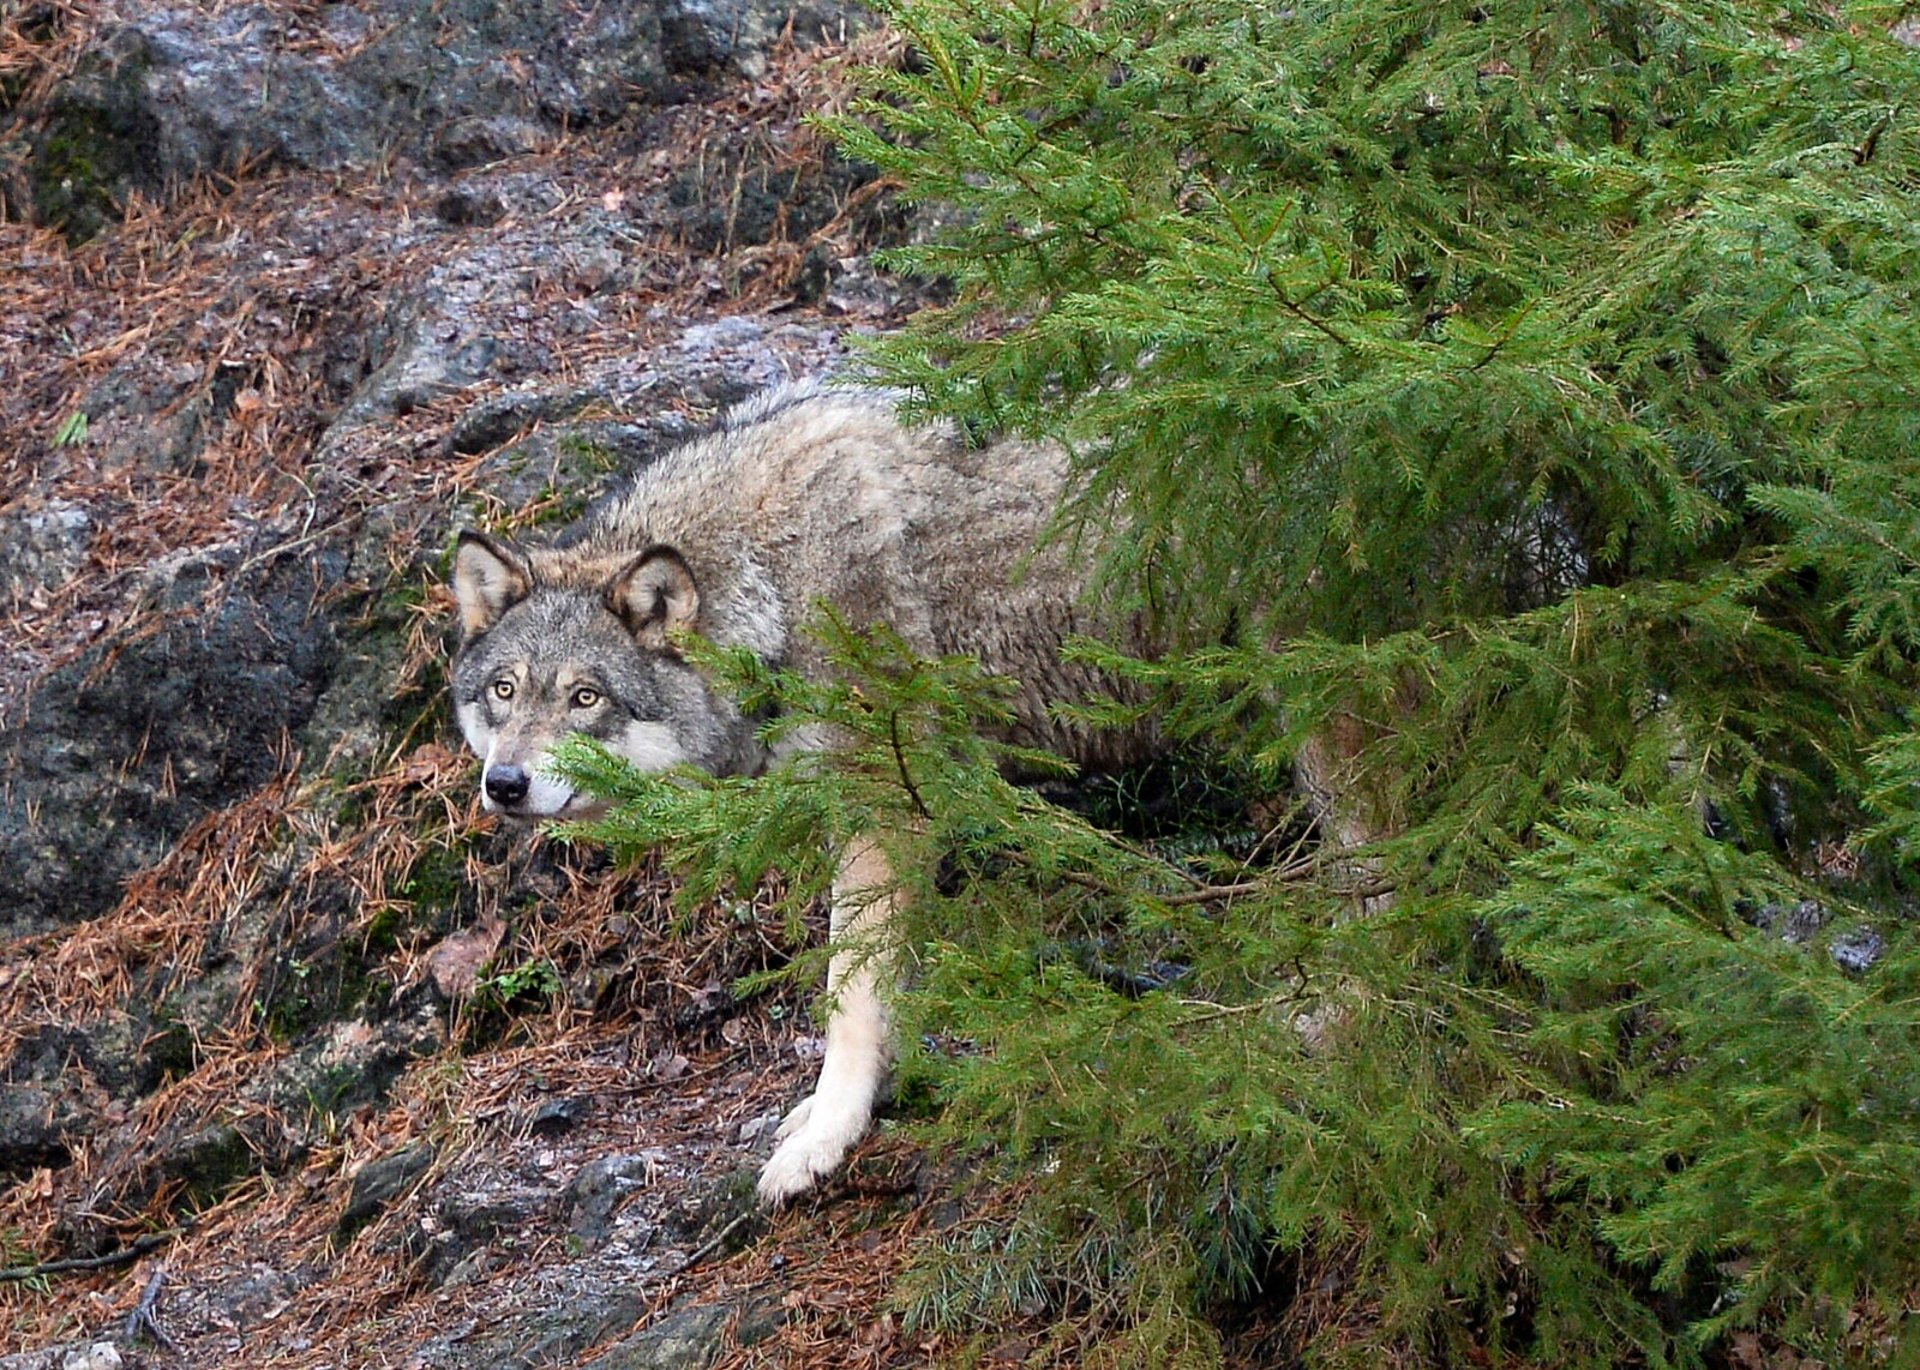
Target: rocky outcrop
(167, 93)
(139, 738)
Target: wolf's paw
(814, 1140)
(794, 1120)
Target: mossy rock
(209, 1162)
(97, 142)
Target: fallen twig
(714, 1244)
(144, 1317)
(126, 1254)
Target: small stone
(1857, 950)
(600, 1187)
(456, 961)
(556, 1116)
(756, 1127)
(380, 1181)
(470, 1268)
(1796, 924)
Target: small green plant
(72, 430)
(502, 989)
(15, 1254)
(504, 996)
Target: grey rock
(57, 1081)
(41, 547)
(439, 338)
(101, 1355)
(198, 1152)
(704, 339)
(818, 270)
(346, 1064)
(569, 465)
(499, 419)
(1857, 950)
(700, 36)
(167, 94)
(557, 1116)
(467, 1270)
(258, 1295)
(478, 139)
(86, 1355)
(379, 1182)
(758, 1126)
(1797, 923)
(769, 196)
(559, 1335)
(685, 1339)
(718, 1207)
(362, 704)
(207, 1160)
(33, 1132)
(140, 737)
(597, 1192)
(452, 1243)
(759, 1318)
(107, 1051)
(143, 418)
(707, 37)
(712, 37)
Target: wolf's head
(557, 643)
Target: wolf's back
(807, 493)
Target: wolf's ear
(654, 595)
(489, 578)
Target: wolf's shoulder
(786, 399)
(800, 436)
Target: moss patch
(98, 142)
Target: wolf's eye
(503, 689)
(585, 697)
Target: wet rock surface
(602, 1187)
(137, 739)
(165, 93)
(685, 1339)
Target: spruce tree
(1530, 395)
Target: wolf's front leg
(824, 1126)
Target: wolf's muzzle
(507, 785)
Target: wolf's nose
(507, 785)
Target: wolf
(805, 493)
